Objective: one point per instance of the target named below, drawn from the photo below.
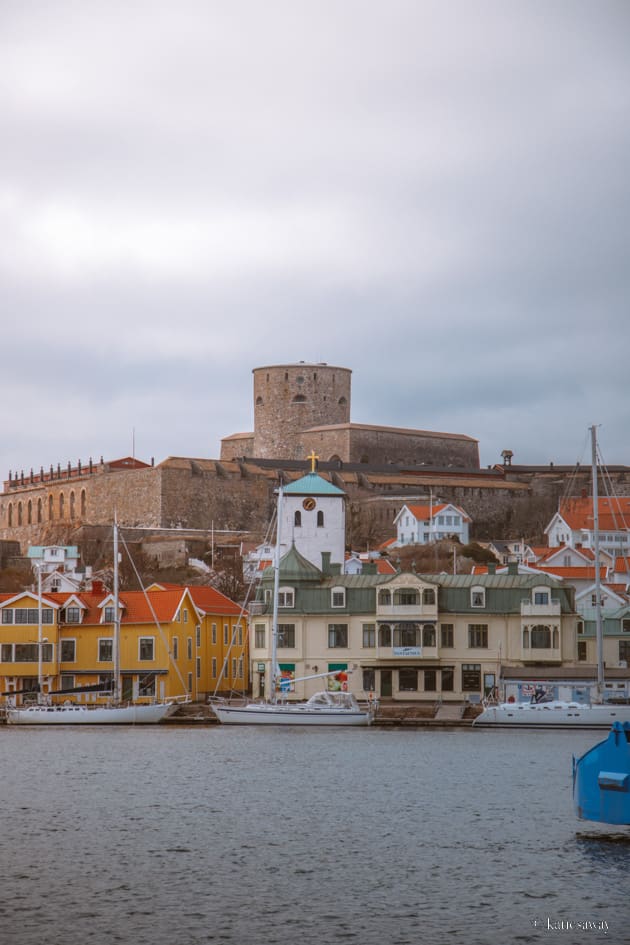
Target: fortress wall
(411, 449)
(205, 495)
(199, 495)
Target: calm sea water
(180, 836)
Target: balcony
(407, 611)
(256, 608)
(535, 654)
(550, 609)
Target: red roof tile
(614, 513)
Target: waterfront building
(406, 636)
(411, 636)
(173, 641)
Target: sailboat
(323, 708)
(114, 713)
(543, 712)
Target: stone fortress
(298, 408)
(301, 407)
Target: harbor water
(180, 836)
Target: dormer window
(72, 615)
(338, 597)
(385, 597)
(109, 614)
(286, 597)
(478, 597)
(541, 598)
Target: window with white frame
(146, 685)
(189, 648)
(175, 648)
(338, 597)
(337, 635)
(146, 648)
(105, 650)
(259, 636)
(72, 615)
(286, 597)
(286, 635)
(477, 597)
(478, 635)
(67, 651)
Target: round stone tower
(290, 398)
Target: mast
(40, 640)
(273, 676)
(599, 633)
(116, 641)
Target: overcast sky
(433, 194)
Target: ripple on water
(186, 836)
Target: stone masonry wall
(290, 398)
(205, 494)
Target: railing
(409, 611)
(538, 654)
(257, 607)
(551, 608)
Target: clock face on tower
(308, 504)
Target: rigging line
(578, 467)
(616, 508)
(154, 615)
(250, 587)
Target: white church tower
(314, 518)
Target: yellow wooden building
(174, 641)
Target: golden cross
(313, 458)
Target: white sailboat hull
(552, 715)
(91, 715)
(299, 714)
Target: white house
(572, 524)
(422, 524)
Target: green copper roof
(312, 484)
(294, 567)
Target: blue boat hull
(601, 779)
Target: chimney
(326, 562)
(492, 567)
(512, 567)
